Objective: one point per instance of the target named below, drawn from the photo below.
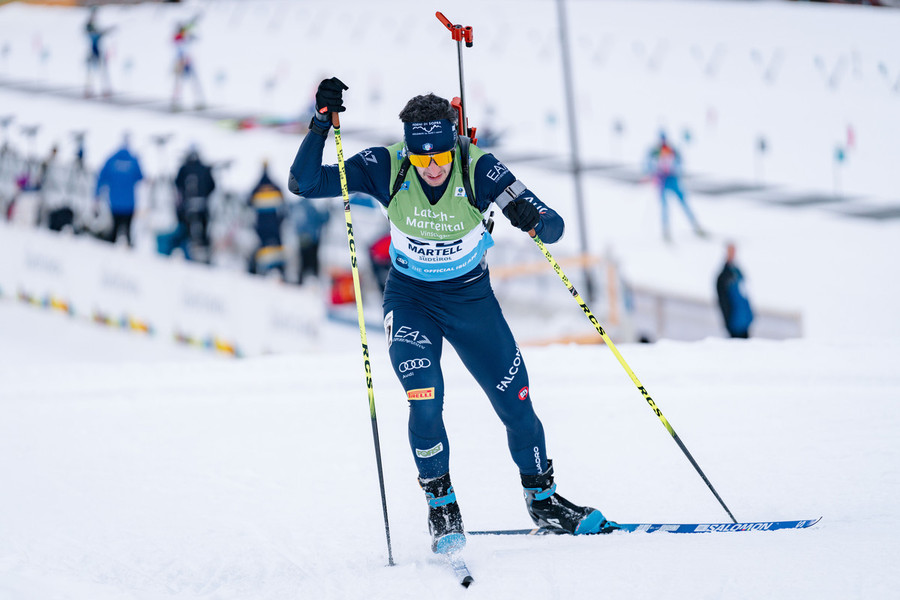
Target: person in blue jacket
(437, 201)
(118, 177)
(733, 301)
(663, 164)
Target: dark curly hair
(428, 108)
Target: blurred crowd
(185, 213)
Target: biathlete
(439, 288)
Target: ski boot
(551, 511)
(444, 520)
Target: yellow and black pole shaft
(335, 120)
(596, 323)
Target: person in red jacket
(380, 255)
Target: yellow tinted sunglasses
(424, 160)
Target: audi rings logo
(416, 363)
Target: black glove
(328, 97)
(522, 214)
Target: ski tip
(467, 581)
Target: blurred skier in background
(183, 40)
(96, 58)
(437, 202)
(663, 164)
(267, 201)
(118, 178)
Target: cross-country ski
(665, 527)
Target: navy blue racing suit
(420, 315)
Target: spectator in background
(47, 166)
(43, 183)
(309, 220)
(733, 302)
(194, 183)
(267, 201)
(664, 166)
(118, 177)
(24, 207)
(56, 205)
(78, 163)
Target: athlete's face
(433, 174)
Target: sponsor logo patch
(517, 362)
(414, 337)
(497, 171)
(421, 394)
(369, 156)
(426, 128)
(430, 451)
(523, 393)
(414, 363)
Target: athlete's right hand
(329, 98)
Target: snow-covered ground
(166, 474)
(135, 468)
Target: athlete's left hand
(522, 214)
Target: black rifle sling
(401, 175)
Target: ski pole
(653, 406)
(335, 120)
